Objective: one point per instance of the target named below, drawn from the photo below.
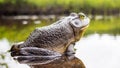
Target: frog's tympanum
(48, 44)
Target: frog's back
(52, 36)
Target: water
(4, 47)
(99, 51)
(96, 51)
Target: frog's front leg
(35, 56)
(70, 50)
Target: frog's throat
(76, 33)
(84, 27)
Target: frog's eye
(76, 23)
(81, 16)
(73, 14)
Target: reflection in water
(96, 51)
(99, 51)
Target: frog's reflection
(63, 62)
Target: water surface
(96, 51)
(99, 51)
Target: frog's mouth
(84, 27)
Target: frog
(49, 43)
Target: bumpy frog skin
(49, 43)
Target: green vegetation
(111, 26)
(17, 33)
(1, 1)
(104, 7)
(78, 3)
(88, 6)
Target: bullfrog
(47, 44)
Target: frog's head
(79, 22)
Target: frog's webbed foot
(35, 56)
(70, 52)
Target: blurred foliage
(107, 26)
(17, 32)
(66, 6)
(13, 1)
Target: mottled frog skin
(49, 43)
